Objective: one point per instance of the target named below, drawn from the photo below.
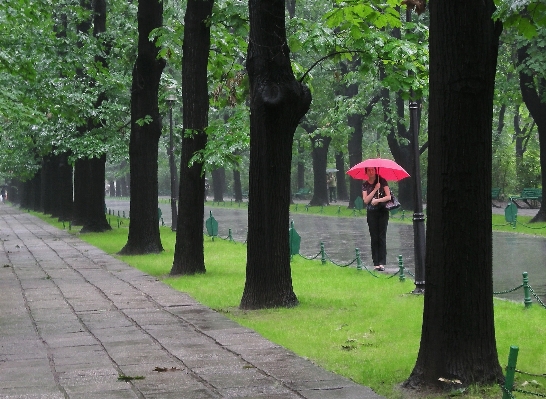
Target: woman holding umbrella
(375, 192)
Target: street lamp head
(171, 95)
(171, 99)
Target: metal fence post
(526, 291)
(322, 254)
(358, 261)
(510, 371)
(402, 278)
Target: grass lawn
(348, 321)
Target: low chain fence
(295, 240)
(212, 231)
(528, 292)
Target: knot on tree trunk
(272, 93)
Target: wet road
(513, 254)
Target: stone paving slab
(74, 319)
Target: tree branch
(325, 58)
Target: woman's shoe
(380, 268)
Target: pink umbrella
(387, 169)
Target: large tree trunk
(188, 254)
(354, 149)
(341, 178)
(537, 108)
(30, 194)
(458, 331)
(47, 188)
(55, 186)
(277, 103)
(35, 192)
(319, 154)
(81, 192)
(237, 189)
(218, 184)
(144, 227)
(95, 216)
(65, 196)
(121, 187)
(89, 195)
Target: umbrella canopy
(387, 169)
(331, 170)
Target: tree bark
(95, 215)
(458, 331)
(319, 154)
(47, 188)
(30, 193)
(354, 149)
(65, 197)
(537, 108)
(218, 184)
(55, 186)
(188, 255)
(237, 189)
(277, 103)
(145, 132)
(89, 195)
(341, 178)
(80, 192)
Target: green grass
(365, 328)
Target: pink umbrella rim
(391, 165)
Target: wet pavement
(76, 322)
(513, 253)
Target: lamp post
(418, 216)
(419, 243)
(172, 166)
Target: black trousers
(332, 193)
(378, 220)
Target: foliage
(514, 121)
(364, 28)
(529, 170)
(525, 15)
(54, 80)
(227, 140)
(45, 100)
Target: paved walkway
(74, 319)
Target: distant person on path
(4, 195)
(332, 186)
(375, 192)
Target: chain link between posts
(508, 291)
(537, 297)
